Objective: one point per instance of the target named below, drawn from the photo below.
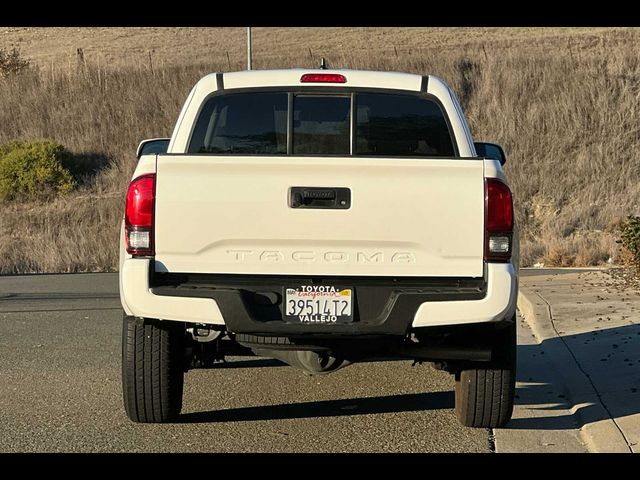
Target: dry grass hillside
(116, 47)
(563, 102)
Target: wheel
(484, 395)
(153, 363)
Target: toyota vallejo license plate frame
(318, 304)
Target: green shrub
(33, 170)
(630, 238)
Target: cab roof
(292, 77)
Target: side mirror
(151, 146)
(491, 150)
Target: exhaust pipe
(313, 363)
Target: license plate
(314, 304)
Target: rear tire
(484, 395)
(153, 354)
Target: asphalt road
(60, 390)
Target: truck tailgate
(408, 217)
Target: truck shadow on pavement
(412, 402)
(594, 374)
(600, 367)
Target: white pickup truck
(320, 217)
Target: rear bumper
(138, 300)
(406, 305)
(498, 304)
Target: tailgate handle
(319, 197)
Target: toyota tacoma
(320, 217)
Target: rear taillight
(498, 210)
(138, 216)
(323, 78)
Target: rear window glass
(259, 123)
(244, 123)
(321, 125)
(400, 125)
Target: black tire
(153, 355)
(484, 395)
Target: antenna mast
(248, 48)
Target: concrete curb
(599, 435)
(536, 312)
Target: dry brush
(568, 119)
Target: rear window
(401, 125)
(243, 123)
(261, 123)
(321, 125)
